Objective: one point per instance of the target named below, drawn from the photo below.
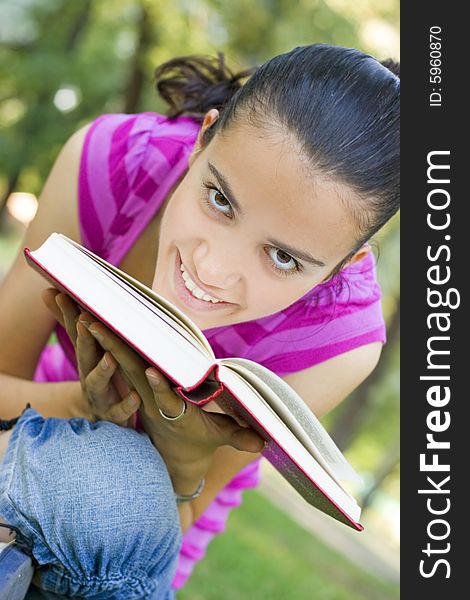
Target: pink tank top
(129, 164)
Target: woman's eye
(283, 261)
(218, 201)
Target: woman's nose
(216, 267)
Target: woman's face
(248, 227)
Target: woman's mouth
(191, 295)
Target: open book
(297, 444)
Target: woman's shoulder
(147, 121)
(125, 160)
(140, 128)
(118, 141)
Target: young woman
(250, 208)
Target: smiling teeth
(195, 290)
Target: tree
(387, 464)
(40, 109)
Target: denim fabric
(97, 503)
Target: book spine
(208, 388)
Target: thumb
(233, 434)
(246, 440)
(230, 433)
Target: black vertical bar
(435, 260)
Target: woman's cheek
(181, 220)
(192, 214)
(264, 298)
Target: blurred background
(64, 62)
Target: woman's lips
(188, 299)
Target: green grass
(264, 555)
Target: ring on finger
(168, 418)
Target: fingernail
(152, 377)
(96, 335)
(104, 363)
(132, 401)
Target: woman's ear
(359, 255)
(210, 118)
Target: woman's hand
(186, 445)
(106, 396)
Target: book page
(150, 306)
(141, 324)
(252, 407)
(293, 410)
(153, 297)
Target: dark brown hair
(192, 85)
(342, 106)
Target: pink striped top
(129, 163)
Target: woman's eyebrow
(298, 253)
(224, 184)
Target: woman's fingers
(97, 380)
(86, 349)
(49, 298)
(224, 429)
(121, 412)
(165, 398)
(206, 430)
(131, 364)
(70, 313)
(105, 386)
(98, 388)
(246, 440)
(65, 311)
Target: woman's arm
(226, 464)
(25, 322)
(62, 399)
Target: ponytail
(392, 66)
(192, 85)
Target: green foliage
(90, 46)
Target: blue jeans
(97, 504)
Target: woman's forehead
(268, 178)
